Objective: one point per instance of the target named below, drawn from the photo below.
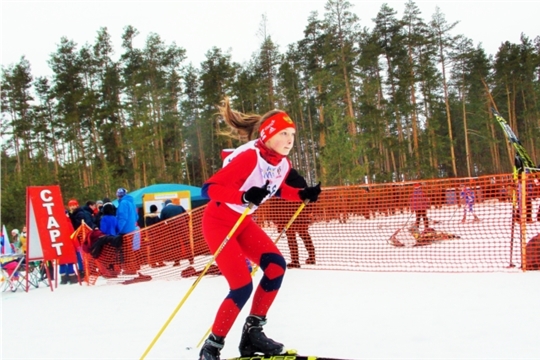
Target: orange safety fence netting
(468, 227)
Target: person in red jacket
(250, 175)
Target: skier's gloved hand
(311, 192)
(256, 195)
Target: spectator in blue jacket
(108, 223)
(126, 213)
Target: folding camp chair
(12, 273)
(38, 274)
(35, 271)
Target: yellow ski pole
(216, 253)
(295, 215)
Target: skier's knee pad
(241, 295)
(274, 266)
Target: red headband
(274, 124)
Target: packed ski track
(332, 313)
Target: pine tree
(388, 31)
(446, 42)
(217, 75)
(16, 109)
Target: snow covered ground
(332, 312)
(351, 315)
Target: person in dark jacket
(77, 215)
(300, 225)
(98, 213)
(170, 210)
(152, 217)
(91, 209)
(420, 205)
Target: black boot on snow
(72, 279)
(295, 264)
(254, 341)
(212, 347)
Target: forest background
(405, 99)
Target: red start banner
(48, 226)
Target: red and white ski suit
(252, 164)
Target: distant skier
(467, 200)
(420, 205)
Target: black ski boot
(254, 341)
(212, 347)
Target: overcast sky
(34, 28)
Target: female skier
(250, 175)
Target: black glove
(256, 195)
(311, 193)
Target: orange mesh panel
(362, 228)
(169, 249)
(372, 227)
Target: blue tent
(196, 198)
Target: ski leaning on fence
(521, 153)
(522, 160)
(290, 355)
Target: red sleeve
(224, 185)
(289, 193)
